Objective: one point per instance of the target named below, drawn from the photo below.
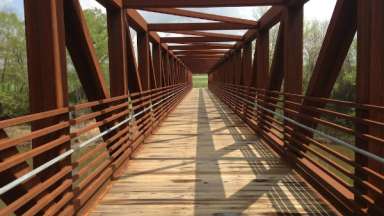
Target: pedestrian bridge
(256, 141)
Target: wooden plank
(196, 26)
(217, 165)
(198, 3)
(199, 15)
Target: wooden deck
(204, 160)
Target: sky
(314, 9)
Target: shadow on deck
(205, 161)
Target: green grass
(200, 81)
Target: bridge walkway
(204, 160)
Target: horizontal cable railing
(102, 134)
(317, 135)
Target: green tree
(13, 67)
(97, 26)
(314, 33)
(13, 62)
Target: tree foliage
(13, 66)
(97, 26)
(13, 61)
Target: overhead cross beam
(207, 34)
(200, 52)
(195, 39)
(201, 55)
(196, 26)
(136, 21)
(199, 15)
(111, 4)
(213, 59)
(199, 3)
(206, 46)
(269, 19)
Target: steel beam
(83, 54)
(134, 79)
(159, 27)
(247, 64)
(370, 87)
(195, 39)
(137, 22)
(47, 78)
(262, 60)
(277, 67)
(293, 49)
(152, 74)
(207, 46)
(339, 37)
(46, 69)
(208, 34)
(199, 15)
(118, 73)
(157, 63)
(270, 18)
(293, 57)
(111, 4)
(144, 59)
(199, 52)
(199, 3)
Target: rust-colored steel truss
(267, 95)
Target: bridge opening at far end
(194, 107)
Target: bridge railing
(319, 138)
(95, 140)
